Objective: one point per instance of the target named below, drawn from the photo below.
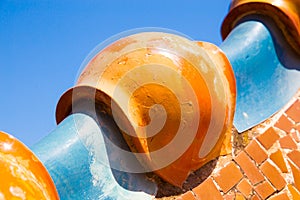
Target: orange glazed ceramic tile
(208, 190)
(256, 151)
(249, 168)
(273, 174)
(278, 159)
(296, 174)
(268, 138)
(280, 196)
(295, 193)
(228, 176)
(245, 187)
(187, 196)
(294, 111)
(284, 124)
(295, 157)
(287, 142)
(264, 189)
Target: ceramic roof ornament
(262, 45)
(156, 101)
(284, 13)
(177, 96)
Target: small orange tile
(208, 190)
(294, 111)
(284, 124)
(295, 193)
(296, 136)
(268, 138)
(287, 142)
(249, 168)
(296, 174)
(245, 187)
(280, 196)
(255, 197)
(187, 196)
(228, 176)
(295, 157)
(239, 196)
(264, 189)
(278, 159)
(273, 174)
(256, 152)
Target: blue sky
(43, 43)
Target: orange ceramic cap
(23, 176)
(178, 95)
(285, 14)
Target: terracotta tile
(239, 196)
(256, 152)
(296, 136)
(280, 196)
(264, 189)
(208, 190)
(295, 193)
(249, 168)
(296, 174)
(295, 157)
(294, 111)
(268, 138)
(244, 187)
(273, 174)
(287, 142)
(187, 196)
(284, 124)
(228, 176)
(278, 159)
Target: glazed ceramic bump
(284, 14)
(173, 100)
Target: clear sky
(43, 43)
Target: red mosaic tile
(228, 176)
(268, 138)
(249, 168)
(296, 174)
(256, 152)
(294, 111)
(187, 196)
(284, 124)
(295, 157)
(245, 187)
(280, 196)
(294, 192)
(278, 159)
(273, 174)
(208, 190)
(264, 189)
(287, 142)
